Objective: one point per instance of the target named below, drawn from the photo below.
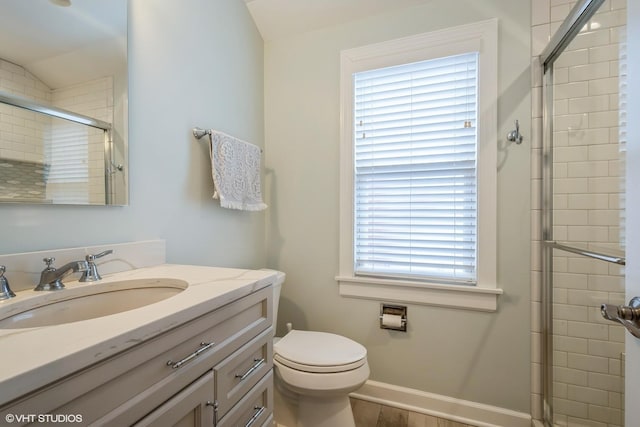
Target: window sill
(453, 296)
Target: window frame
(480, 37)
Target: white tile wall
(588, 171)
(22, 132)
(93, 99)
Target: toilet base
(285, 408)
(325, 412)
(311, 411)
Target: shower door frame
(582, 12)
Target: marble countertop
(34, 357)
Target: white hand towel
(235, 166)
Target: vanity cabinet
(211, 370)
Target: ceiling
(280, 18)
(45, 38)
(49, 40)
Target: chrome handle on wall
(627, 315)
(514, 135)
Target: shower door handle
(627, 315)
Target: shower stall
(583, 215)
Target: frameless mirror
(63, 102)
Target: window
(415, 170)
(418, 169)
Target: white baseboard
(463, 411)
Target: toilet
(314, 374)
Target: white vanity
(202, 356)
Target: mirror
(63, 102)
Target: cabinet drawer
(238, 373)
(254, 409)
(191, 407)
(125, 387)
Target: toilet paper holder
(393, 317)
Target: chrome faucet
(5, 290)
(91, 274)
(51, 277)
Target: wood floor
(368, 414)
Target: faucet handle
(49, 261)
(92, 257)
(91, 274)
(5, 290)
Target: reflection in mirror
(63, 102)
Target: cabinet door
(192, 407)
(238, 373)
(254, 409)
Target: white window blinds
(415, 170)
(68, 145)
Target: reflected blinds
(68, 179)
(415, 170)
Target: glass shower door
(584, 218)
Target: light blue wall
(200, 63)
(191, 63)
(481, 357)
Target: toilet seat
(319, 352)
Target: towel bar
(588, 253)
(199, 133)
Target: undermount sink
(89, 302)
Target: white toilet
(314, 374)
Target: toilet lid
(312, 351)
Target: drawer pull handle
(259, 410)
(255, 366)
(204, 346)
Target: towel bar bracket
(199, 132)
